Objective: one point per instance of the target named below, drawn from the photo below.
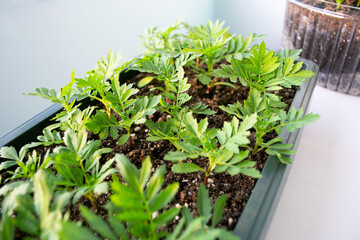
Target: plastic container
(257, 214)
(329, 35)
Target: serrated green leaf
(118, 227)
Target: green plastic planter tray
(258, 212)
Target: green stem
(255, 149)
(207, 174)
(130, 138)
(147, 208)
(91, 197)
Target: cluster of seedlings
(37, 189)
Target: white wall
(41, 41)
(260, 16)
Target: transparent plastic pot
(329, 35)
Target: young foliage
(130, 111)
(219, 146)
(199, 228)
(78, 166)
(214, 43)
(96, 83)
(265, 71)
(164, 67)
(168, 130)
(50, 136)
(66, 97)
(25, 168)
(137, 206)
(78, 119)
(39, 216)
(270, 118)
(164, 41)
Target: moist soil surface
(238, 188)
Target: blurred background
(41, 41)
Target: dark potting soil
(238, 188)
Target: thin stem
(207, 173)
(130, 138)
(147, 208)
(91, 197)
(206, 180)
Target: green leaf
(204, 203)
(9, 153)
(42, 193)
(132, 216)
(145, 172)
(166, 216)
(164, 197)
(145, 81)
(73, 231)
(7, 164)
(177, 156)
(204, 79)
(118, 227)
(128, 171)
(218, 210)
(97, 223)
(186, 168)
(123, 139)
(251, 172)
(155, 183)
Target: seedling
(66, 97)
(265, 71)
(165, 41)
(270, 118)
(220, 147)
(39, 209)
(78, 166)
(168, 130)
(25, 169)
(139, 207)
(134, 210)
(214, 43)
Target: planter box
(329, 35)
(260, 207)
